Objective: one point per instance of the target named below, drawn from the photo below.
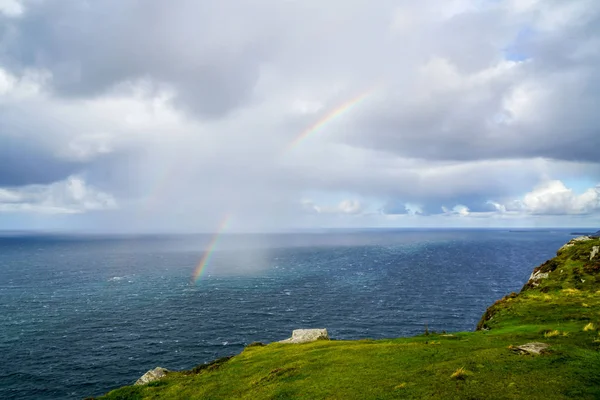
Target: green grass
(563, 311)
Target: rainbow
(332, 115)
(211, 248)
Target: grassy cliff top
(559, 306)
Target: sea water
(81, 315)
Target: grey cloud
(209, 52)
(472, 114)
(23, 162)
(471, 124)
(66, 197)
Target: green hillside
(560, 308)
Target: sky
(156, 116)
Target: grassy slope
(555, 312)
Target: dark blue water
(80, 316)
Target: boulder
(152, 375)
(594, 253)
(306, 336)
(534, 348)
(537, 276)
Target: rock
(306, 336)
(534, 348)
(573, 241)
(594, 253)
(535, 277)
(152, 375)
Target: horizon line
(7, 232)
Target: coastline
(554, 311)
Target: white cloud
(11, 8)
(551, 197)
(71, 196)
(350, 207)
(458, 210)
(26, 86)
(554, 198)
(500, 208)
(347, 206)
(414, 209)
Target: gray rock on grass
(306, 336)
(152, 375)
(534, 348)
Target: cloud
(183, 112)
(71, 196)
(549, 198)
(450, 106)
(351, 207)
(554, 198)
(459, 209)
(208, 53)
(11, 8)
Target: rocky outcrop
(152, 375)
(594, 253)
(536, 277)
(307, 335)
(574, 241)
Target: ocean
(81, 315)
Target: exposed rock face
(307, 335)
(574, 241)
(534, 348)
(152, 375)
(594, 253)
(537, 276)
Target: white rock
(306, 336)
(152, 375)
(594, 253)
(573, 241)
(535, 277)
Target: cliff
(540, 343)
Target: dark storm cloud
(24, 163)
(209, 52)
